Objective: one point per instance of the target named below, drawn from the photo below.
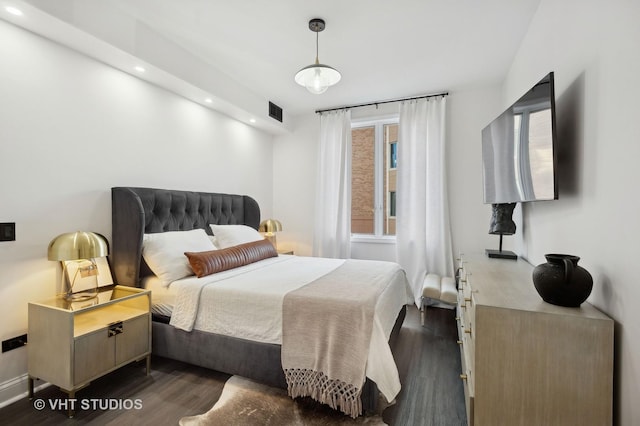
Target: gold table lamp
(80, 247)
(270, 227)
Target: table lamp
(270, 227)
(81, 247)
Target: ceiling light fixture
(139, 68)
(317, 77)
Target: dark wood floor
(428, 361)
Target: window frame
(380, 153)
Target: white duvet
(246, 302)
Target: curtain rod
(320, 111)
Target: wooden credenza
(527, 362)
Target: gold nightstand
(72, 343)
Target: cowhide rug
(244, 402)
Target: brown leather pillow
(209, 262)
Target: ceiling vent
(275, 111)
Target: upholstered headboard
(136, 211)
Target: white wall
(294, 177)
(594, 49)
(469, 111)
(70, 129)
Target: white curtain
(332, 231)
(423, 235)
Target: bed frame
(136, 211)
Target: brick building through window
(373, 177)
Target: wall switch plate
(8, 231)
(14, 343)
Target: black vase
(561, 281)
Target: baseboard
(16, 388)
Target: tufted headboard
(136, 211)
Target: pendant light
(317, 77)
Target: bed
(140, 212)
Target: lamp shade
(77, 245)
(270, 226)
(317, 77)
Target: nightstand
(285, 251)
(72, 343)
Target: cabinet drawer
(466, 315)
(467, 381)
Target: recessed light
(139, 68)
(14, 11)
(208, 100)
(252, 120)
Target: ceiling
(242, 54)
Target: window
(393, 155)
(373, 177)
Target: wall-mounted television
(519, 149)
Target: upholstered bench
(442, 289)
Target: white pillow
(164, 252)
(232, 235)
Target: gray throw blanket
(326, 331)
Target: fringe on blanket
(335, 393)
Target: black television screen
(518, 149)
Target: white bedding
(246, 302)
